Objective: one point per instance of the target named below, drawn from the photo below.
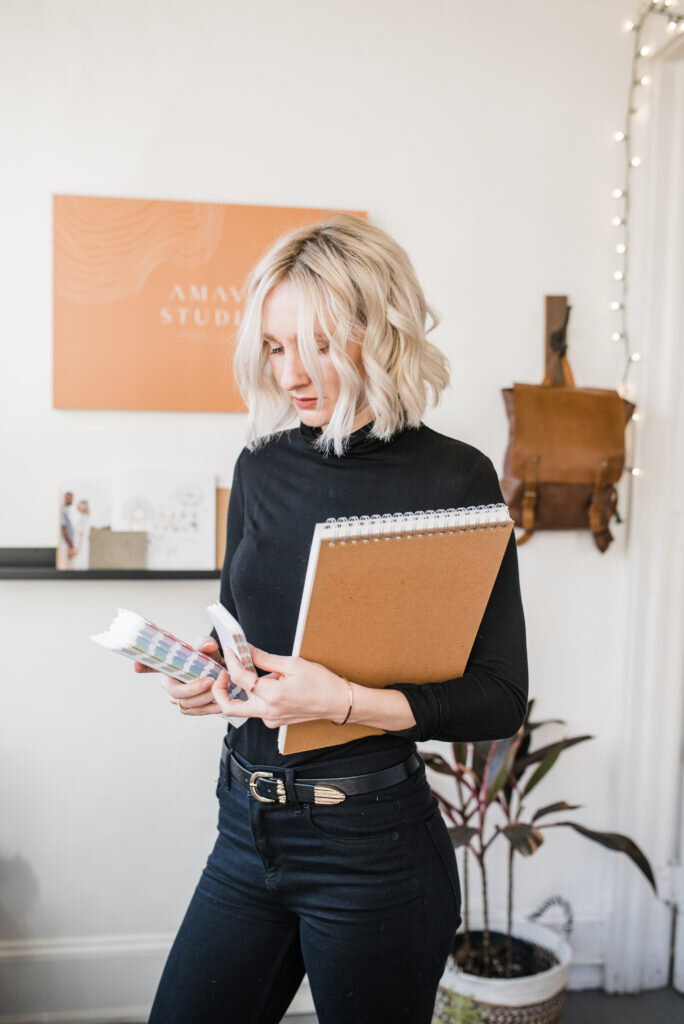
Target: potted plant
(498, 965)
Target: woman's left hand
(295, 690)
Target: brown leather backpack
(566, 452)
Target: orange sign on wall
(148, 295)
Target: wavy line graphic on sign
(106, 249)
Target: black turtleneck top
(281, 490)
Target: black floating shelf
(39, 564)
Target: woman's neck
(362, 418)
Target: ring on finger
(181, 706)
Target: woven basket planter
(535, 999)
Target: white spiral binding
(405, 525)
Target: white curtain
(648, 769)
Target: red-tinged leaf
(461, 834)
(523, 838)
(550, 808)
(528, 727)
(525, 745)
(503, 757)
(460, 753)
(523, 750)
(496, 755)
(538, 755)
(614, 841)
(480, 754)
(541, 770)
(438, 764)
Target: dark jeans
(363, 896)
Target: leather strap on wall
(562, 359)
(595, 518)
(600, 508)
(529, 502)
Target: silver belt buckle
(280, 788)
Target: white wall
(479, 135)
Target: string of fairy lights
(639, 81)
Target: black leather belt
(269, 787)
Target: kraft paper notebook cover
(395, 599)
(222, 499)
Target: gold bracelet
(351, 701)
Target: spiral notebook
(395, 599)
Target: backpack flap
(570, 432)
(565, 453)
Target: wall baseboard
(83, 947)
(112, 978)
(107, 1015)
(89, 979)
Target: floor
(664, 1006)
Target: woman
(364, 896)
(81, 556)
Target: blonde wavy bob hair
(354, 284)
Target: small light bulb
(635, 357)
(618, 275)
(636, 471)
(669, 3)
(616, 336)
(617, 221)
(644, 51)
(629, 26)
(619, 136)
(616, 305)
(644, 80)
(636, 416)
(672, 26)
(621, 248)
(618, 193)
(635, 161)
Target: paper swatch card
(141, 640)
(230, 633)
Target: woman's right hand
(192, 698)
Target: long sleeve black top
(281, 490)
